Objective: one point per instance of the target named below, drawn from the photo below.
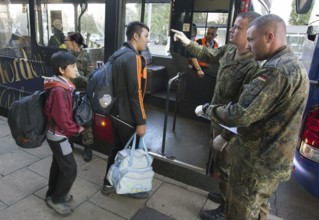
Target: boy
(59, 115)
(128, 114)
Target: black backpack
(100, 85)
(27, 121)
(82, 110)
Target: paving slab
(121, 205)
(93, 171)
(3, 119)
(176, 202)
(2, 206)
(41, 152)
(12, 161)
(5, 129)
(88, 210)
(7, 144)
(29, 208)
(42, 167)
(19, 185)
(147, 213)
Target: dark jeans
(121, 134)
(63, 170)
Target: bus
(26, 27)
(306, 159)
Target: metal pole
(176, 105)
(162, 152)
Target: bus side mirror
(311, 33)
(303, 6)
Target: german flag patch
(262, 78)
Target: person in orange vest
(194, 62)
(207, 41)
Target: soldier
(268, 115)
(237, 65)
(75, 44)
(57, 39)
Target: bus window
(54, 21)
(15, 40)
(157, 18)
(133, 11)
(93, 25)
(261, 7)
(93, 29)
(203, 20)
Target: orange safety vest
(203, 42)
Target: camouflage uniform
(231, 76)
(85, 66)
(268, 116)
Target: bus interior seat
(156, 74)
(95, 54)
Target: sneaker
(140, 195)
(215, 214)
(107, 190)
(47, 198)
(68, 198)
(87, 154)
(215, 197)
(61, 208)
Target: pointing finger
(175, 31)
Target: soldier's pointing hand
(179, 35)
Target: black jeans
(63, 170)
(121, 134)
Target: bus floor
(187, 144)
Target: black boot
(215, 214)
(215, 197)
(87, 155)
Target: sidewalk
(24, 177)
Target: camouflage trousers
(247, 195)
(87, 136)
(222, 165)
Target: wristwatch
(198, 68)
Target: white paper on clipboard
(232, 129)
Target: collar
(129, 45)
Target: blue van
(306, 159)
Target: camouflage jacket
(231, 76)
(85, 67)
(83, 63)
(268, 115)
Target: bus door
(204, 14)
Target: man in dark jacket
(129, 84)
(57, 39)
